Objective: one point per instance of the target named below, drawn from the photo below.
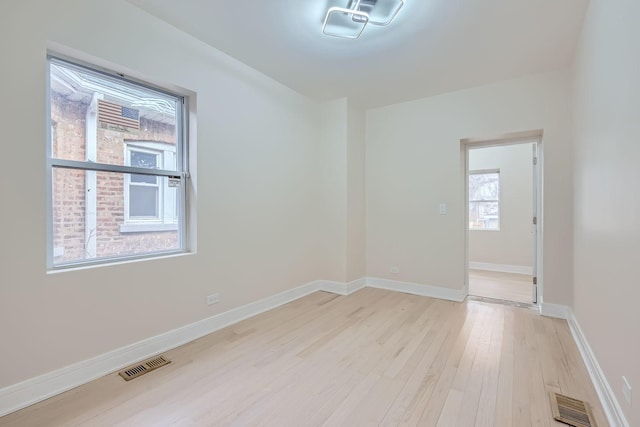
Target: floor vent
(143, 368)
(571, 411)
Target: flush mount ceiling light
(349, 22)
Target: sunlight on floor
(506, 286)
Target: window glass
(81, 235)
(143, 202)
(115, 145)
(484, 200)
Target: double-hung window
(116, 167)
(484, 200)
(144, 199)
(150, 203)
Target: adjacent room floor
(505, 286)
(373, 358)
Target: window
(144, 190)
(116, 171)
(484, 200)
(150, 201)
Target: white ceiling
(433, 46)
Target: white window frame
(157, 186)
(487, 172)
(166, 220)
(180, 172)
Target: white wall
(260, 200)
(413, 163)
(607, 201)
(513, 243)
(356, 225)
(333, 173)
(342, 172)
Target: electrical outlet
(213, 299)
(443, 208)
(626, 389)
(394, 270)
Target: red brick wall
(68, 136)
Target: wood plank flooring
(497, 285)
(375, 358)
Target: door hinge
(535, 161)
(535, 280)
(535, 220)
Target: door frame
(537, 138)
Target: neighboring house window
(116, 167)
(484, 200)
(150, 203)
(144, 190)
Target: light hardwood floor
(506, 286)
(373, 358)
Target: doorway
(501, 224)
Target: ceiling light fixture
(349, 22)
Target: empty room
(304, 213)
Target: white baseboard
(341, 288)
(333, 287)
(610, 404)
(555, 310)
(417, 289)
(502, 268)
(34, 390)
(356, 285)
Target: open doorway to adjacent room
(502, 190)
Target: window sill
(142, 227)
(108, 262)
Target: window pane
(144, 160)
(143, 201)
(484, 197)
(484, 215)
(89, 218)
(484, 186)
(144, 179)
(93, 115)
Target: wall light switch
(394, 270)
(213, 299)
(443, 208)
